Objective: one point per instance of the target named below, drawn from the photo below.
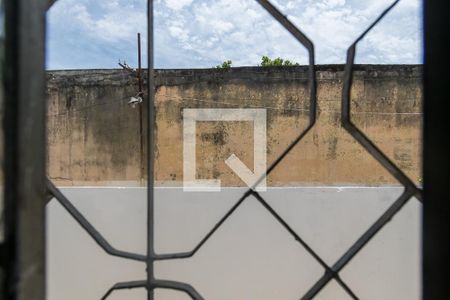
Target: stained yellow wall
(95, 137)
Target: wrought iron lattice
(331, 272)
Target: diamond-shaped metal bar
(360, 243)
(328, 270)
(410, 187)
(312, 117)
(162, 284)
(207, 236)
(177, 286)
(88, 227)
(303, 39)
(354, 131)
(124, 286)
(307, 43)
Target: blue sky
(203, 33)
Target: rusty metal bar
(126, 67)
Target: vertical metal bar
(141, 113)
(150, 154)
(23, 257)
(436, 162)
(139, 71)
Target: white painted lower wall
(251, 256)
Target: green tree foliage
(277, 62)
(225, 65)
(265, 62)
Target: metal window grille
(330, 272)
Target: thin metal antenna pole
(141, 112)
(139, 71)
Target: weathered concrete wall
(95, 137)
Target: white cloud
(203, 33)
(115, 22)
(243, 31)
(334, 3)
(177, 4)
